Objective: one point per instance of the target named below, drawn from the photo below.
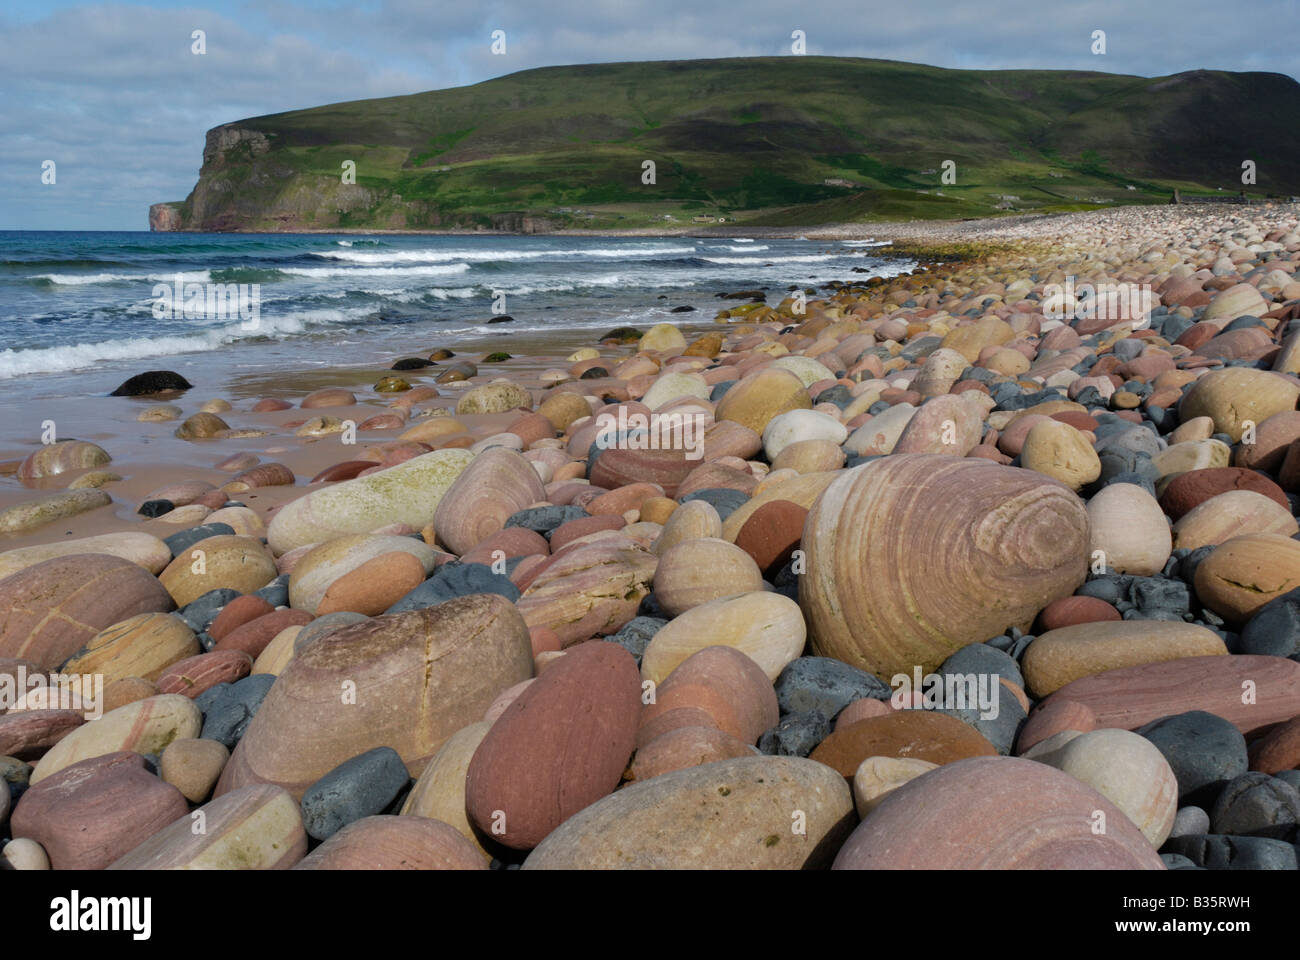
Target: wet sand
(148, 455)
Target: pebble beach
(974, 566)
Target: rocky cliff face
(245, 184)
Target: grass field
(771, 141)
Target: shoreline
(953, 245)
(939, 229)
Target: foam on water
(322, 272)
(75, 301)
(763, 261)
(79, 356)
(83, 279)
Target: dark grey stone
(1175, 326)
(857, 460)
(1111, 587)
(201, 611)
(1218, 852)
(983, 658)
(1002, 723)
(1128, 349)
(1204, 750)
(825, 685)
(1151, 594)
(838, 395)
(276, 593)
(360, 787)
(545, 519)
(1089, 396)
(1187, 566)
(1164, 418)
(719, 389)
(1255, 804)
(797, 735)
(1289, 776)
(1243, 323)
(178, 543)
(208, 697)
(1128, 439)
(636, 634)
(725, 500)
(650, 607)
(1117, 462)
(151, 382)
(1137, 479)
(155, 508)
(1190, 821)
(1176, 861)
(1274, 630)
(453, 580)
(921, 347)
(1013, 646)
(230, 712)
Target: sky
(115, 96)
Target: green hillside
(764, 140)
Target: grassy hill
(762, 140)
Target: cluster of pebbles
(531, 631)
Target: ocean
(81, 310)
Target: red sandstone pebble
(1068, 611)
(772, 533)
(253, 636)
(238, 612)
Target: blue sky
(112, 93)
